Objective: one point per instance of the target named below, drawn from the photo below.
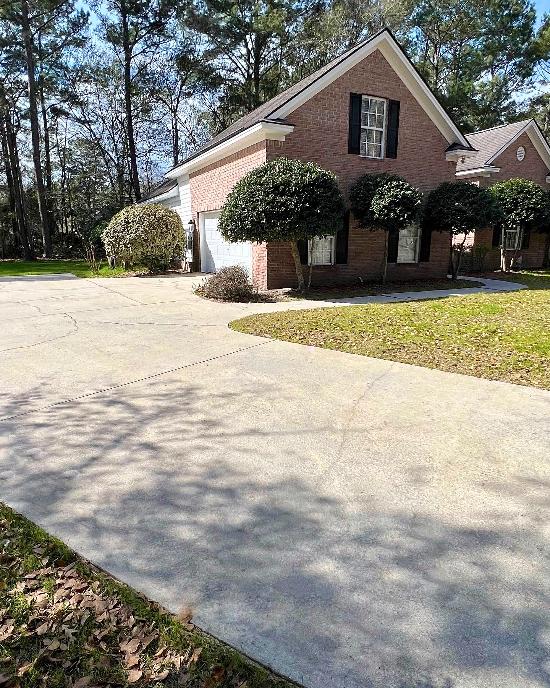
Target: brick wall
(531, 167)
(365, 262)
(532, 257)
(321, 130)
(321, 135)
(210, 185)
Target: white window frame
(383, 129)
(417, 249)
(332, 238)
(512, 245)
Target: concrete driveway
(349, 521)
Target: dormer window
(373, 127)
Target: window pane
(409, 242)
(373, 123)
(511, 239)
(321, 250)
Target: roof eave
(262, 131)
(485, 171)
(457, 154)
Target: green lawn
(65, 624)
(80, 268)
(500, 336)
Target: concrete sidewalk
(349, 521)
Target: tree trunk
(35, 129)
(9, 183)
(47, 155)
(385, 263)
(13, 174)
(297, 265)
(546, 256)
(175, 140)
(134, 177)
(455, 264)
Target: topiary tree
(459, 208)
(146, 234)
(387, 202)
(283, 200)
(525, 207)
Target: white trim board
(258, 132)
(485, 171)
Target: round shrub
(395, 205)
(283, 200)
(522, 203)
(147, 234)
(362, 193)
(459, 208)
(228, 284)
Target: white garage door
(218, 253)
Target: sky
(542, 6)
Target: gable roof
(490, 143)
(275, 111)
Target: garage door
(216, 252)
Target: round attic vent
(520, 153)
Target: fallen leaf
(186, 614)
(195, 656)
(131, 646)
(82, 682)
(24, 668)
(149, 639)
(131, 660)
(134, 675)
(41, 630)
(161, 676)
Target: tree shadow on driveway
(333, 589)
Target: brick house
(507, 152)
(367, 111)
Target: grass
(64, 623)
(499, 336)
(375, 289)
(80, 268)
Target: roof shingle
(488, 143)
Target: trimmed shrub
(523, 204)
(459, 208)
(229, 284)
(362, 193)
(146, 234)
(385, 201)
(283, 200)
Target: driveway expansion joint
(153, 376)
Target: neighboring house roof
(491, 143)
(270, 119)
(163, 189)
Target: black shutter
(497, 231)
(354, 132)
(425, 245)
(525, 238)
(342, 238)
(392, 136)
(303, 250)
(393, 246)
